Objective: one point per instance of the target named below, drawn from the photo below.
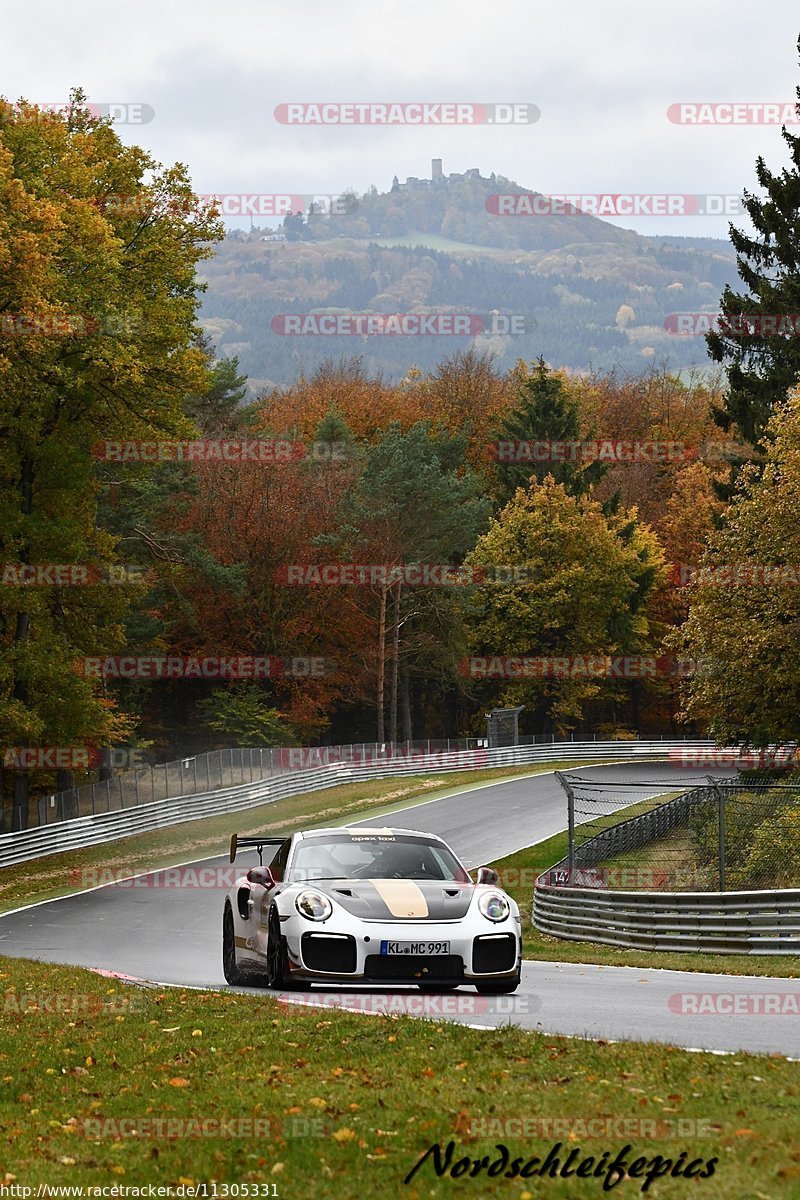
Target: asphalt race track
(167, 934)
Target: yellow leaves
(277, 1168)
(197, 1033)
(344, 1135)
(66, 1161)
(179, 1082)
(317, 1102)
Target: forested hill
(591, 294)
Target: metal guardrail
(747, 922)
(715, 922)
(98, 828)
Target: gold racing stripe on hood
(402, 897)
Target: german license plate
(415, 947)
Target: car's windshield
(374, 856)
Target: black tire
(278, 976)
(230, 970)
(277, 969)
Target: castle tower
(436, 170)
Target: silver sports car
(381, 906)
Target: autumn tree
(562, 579)
(743, 627)
(97, 326)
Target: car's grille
(326, 952)
(493, 952)
(416, 967)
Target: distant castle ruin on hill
(437, 179)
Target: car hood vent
(401, 899)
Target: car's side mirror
(262, 876)
(488, 875)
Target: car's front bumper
(479, 952)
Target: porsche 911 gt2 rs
(358, 905)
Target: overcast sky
(602, 74)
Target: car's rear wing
(257, 843)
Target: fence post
(570, 821)
(721, 836)
(166, 781)
(136, 786)
(180, 777)
(194, 763)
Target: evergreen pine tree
(762, 365)
(545, 412)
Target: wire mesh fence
(218, 769)
(724, 834)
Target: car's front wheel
(500, 987)
(278, 974)
(277, 966)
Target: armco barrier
(765, 922)
(753, 922)
(108, 827)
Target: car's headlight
(313, 905)
(494, 906)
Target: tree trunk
(395, 665)
(405, 702)
(381, 666)
(19, 813)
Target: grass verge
(517, 872)
(351, 1103)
